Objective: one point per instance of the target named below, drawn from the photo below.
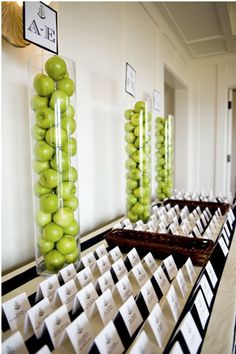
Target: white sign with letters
(40, 25)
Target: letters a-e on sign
(40, 25)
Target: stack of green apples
(54, 151)
(164, 157)
(138, 163)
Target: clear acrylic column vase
(138, 162)
(52, 104)
(164, 157)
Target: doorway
(231, 144)
(176, 103)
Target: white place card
(199, 225)
(185, 230)
(177, 209)
(131, 316)
(173, 302)
(208, 234)
(14, 344)
(211, 273)
(196, 231)
(149, 295)
(161, 280)
(85, 276)
(190, 333)
(103, 264)
(212, 226)
(171, 267)
(140, 274)
(48, 288)
(157, 322)
(173, 228)
(176, 221)
(151, 227)
(128, 223)
(44, 350)
(80, 333)
(108, 340)
(206, 216)
(223, 246)
(195, 214)
(105, 282)
(66, 294)
(15, 310)
(190, 270)
(106, 306)
(227, 230)
(187, 225)
(208, 212)
(172, 213)
(119, 268)
(89, 260)
(201, 308)
(86, 298)
(231, 215)
(155, 210)
(56, 324)
(206, 289)
(68, 272)
(153, 218)
(225, 238)
(198, 210)
(163, 220)
(133, 257)
(176, 349)
(150, 262)
(101, 251)
(182, 283)
(204, 220)
(215, 220)
(124, 288)
(36, 315)
(115, 253)
(143, 345)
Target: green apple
(49, 178)
(45, 117)
(56, 67)
(63, 217)
(38, 102)
(56, 136)
(139, 131)
(140, 105)
(69, 112)
(66, 190)
(133, 217)
(67, 244)
(39, 190)
(129, 137)
(39, 166)
(70, 175)
(146, 214)
(38, 132)
(54, 260)
(72, 203)
(128, 190)
(131, 199)
(43, 151)
(59, 101)
(145, 200)
(139, 143)
(130, 164)
(60, 161)
(52, 232)
(136, 120)
(137, 209)
(45, 246)
(129, 127)
(43, 85)
(42, 218)
(66, 85)
(72, 257)
(130, 149)
(139, 192)
(72, 229)
(131, 183)
(135, 174)
(70, 146)
(128, 113)
(49, 203)
(145, 181)
(69, 124)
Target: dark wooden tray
(192, 204)
(162, 245)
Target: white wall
(101, 38)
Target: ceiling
(204, 28)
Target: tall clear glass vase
(138, 160)
(52, 103)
